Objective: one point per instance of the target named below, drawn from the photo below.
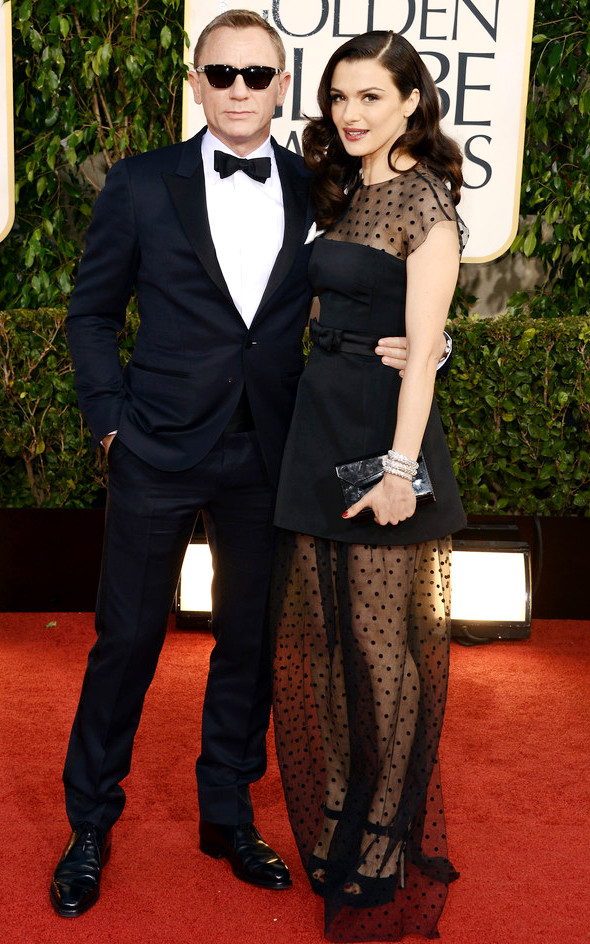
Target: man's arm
(99, 302)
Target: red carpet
(515, 762)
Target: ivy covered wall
(95, 81)
(98, 79)
(555, 198)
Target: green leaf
(25, 10)
(555, 53)
(529, 244)
(578, 253)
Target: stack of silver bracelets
(396, 464)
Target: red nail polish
(345, 515)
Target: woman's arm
(431, 277)
(432, 271)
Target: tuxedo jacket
(194, 354)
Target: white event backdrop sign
(478, 52)
(6, 125)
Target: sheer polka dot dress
(360, 615)
(396, 216)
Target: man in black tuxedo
(216, 249)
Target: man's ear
(284, 82)
(194, 80)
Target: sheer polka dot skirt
(361, 640)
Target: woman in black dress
(360, 607)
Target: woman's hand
(392, 500)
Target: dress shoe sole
(218, 852)
(65, 912)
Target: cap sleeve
(429, 202)
(396, 216)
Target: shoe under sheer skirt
(361, 642)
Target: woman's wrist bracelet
(398, 464)
(400, 474)
(394, 469)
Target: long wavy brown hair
(336, 172)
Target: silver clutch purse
(358, 477)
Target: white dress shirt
(247, 223)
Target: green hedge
(517, 413)
(46, 459)
(516, 408)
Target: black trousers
(149, 522)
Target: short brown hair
(241, 19)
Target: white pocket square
(314, 232)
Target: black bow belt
(336, 340)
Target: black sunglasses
(255, 77)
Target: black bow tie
(258, 168)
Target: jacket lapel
(187, 192)
(295, 203)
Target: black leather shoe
(251, 859)
(76, 880)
